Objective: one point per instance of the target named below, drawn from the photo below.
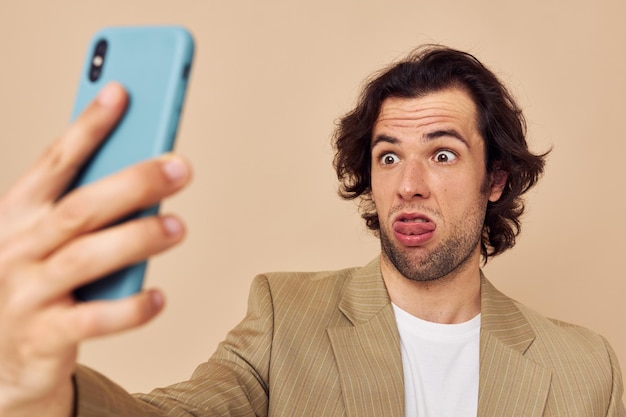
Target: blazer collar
(500, 318)
(365, 294)
(368, 351)
(510, 383)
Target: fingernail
(174, 168)
(172, 226)
(157, 300)
(108, 96)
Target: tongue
(413, 228)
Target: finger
(54, 170)
(100, 318)
(101, 203)
(98, 254)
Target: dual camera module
(99, 55)
(97, 60)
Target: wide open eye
(389, 159)
(444, 156)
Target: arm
(51, 243)
(98, 396)
(233, 382)
(616, 405)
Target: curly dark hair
(500, 121)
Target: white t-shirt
(440, 363)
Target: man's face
(429, 183)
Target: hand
(51, 244)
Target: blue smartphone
(153, 64)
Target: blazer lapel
(510, 384)
(368, 352)
(370, 363)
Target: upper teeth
(414, 220)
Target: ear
(497, 182)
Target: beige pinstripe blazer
(326, 344)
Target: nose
(413, 181)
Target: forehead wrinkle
(414, 115)
(426, 137)
(411, 119)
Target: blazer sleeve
(616, 405)
(233, 382)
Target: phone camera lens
(97, 60)
(101, 47)
(94, 74)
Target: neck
(454, 298)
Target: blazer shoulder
(550, 328)
(303, 288)
(352, 293)
(560, 345)
(505, 315)
(305, 282)
(580, 359)
(283, 277)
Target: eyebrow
(383, 138)
(427, 137)
(446, 132)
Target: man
(435, 150)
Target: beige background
(269, 81)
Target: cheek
(375, 187)
(380, 195)
(456, 196)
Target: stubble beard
(449, 256)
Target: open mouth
(413, 230)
